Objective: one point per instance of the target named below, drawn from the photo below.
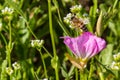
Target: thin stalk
(47, 51)
(44, 66)
(59, 20)
(10, 32)
(9, 47)
(15, 74)
(57, 6)
(31, 30)
(101, 76)
(63, 28)
(99, 68)
(56, 74)
(36, 76)
(3, 38)
(76, 74)
(52, 36)
(51, 27)
(83, 75)
(9, 58)
(115, 3)
(91, 68)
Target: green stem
(47, 51)
(9, 59)
(9, 46)
(3, 38)
(83, 75)
(52, 36)
(16, 74)
(63, 28)
(57, 7)
(76, 74)
(10, 32)
(44, 66)
(60, 22)
(31, 30)
(101, 76)
(56, 73)
(91, 68)
(36, 76)
(115, 3)
(51, 28)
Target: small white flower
(114, 66)
(37, 43)
(75, 8)
(68, 18)
(9, 70)
(16, 65)
(7, 10)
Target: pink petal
(70, 43)
(80, 43)
(101, 43)
(85, 46)
(91, 48)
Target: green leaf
(64, 73)
(106, 55)
(111, 25)
(3, 73)
(23, 31)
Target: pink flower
(85, 46)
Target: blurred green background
(30, 18)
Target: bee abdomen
(84, 28)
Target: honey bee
(78, 23)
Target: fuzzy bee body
(78, 23)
